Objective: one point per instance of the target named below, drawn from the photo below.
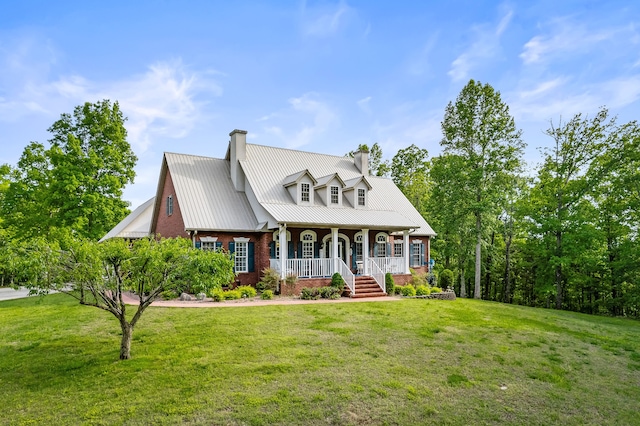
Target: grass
(408, 362)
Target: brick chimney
(238, 152)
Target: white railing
(393, 265)
(310, 268)
(377, 274)
(347, 276)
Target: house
(297, 212)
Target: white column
(405, 250)
(284, 250)
(334, 245)
(365, 251)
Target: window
(361, 195)
(307, 246)
(304, 192)
(416, 253)
(381, 243)
(169, 205)
(358, 247)
(334, 195)
(208, 245)
(397, 249)
(241, 257)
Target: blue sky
(318, 76)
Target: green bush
(270, 280)
(217, 294)
(423, 290)
(337, 281)
(436, 290)
(247, 291)
(266, 295)
(389, 283)
(445, 279)
(310, 293)
(232, 295)
(398, 289)
(330, 292)
(408, 290)
(418, 279)
(169, 295)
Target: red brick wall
(302, 283)
(170, 226)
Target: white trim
(241, 239)
(309, 232)
(208, 239)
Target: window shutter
(290, 247)
(375, 249)
(353, 255)
(389, 252)
(411, 262)
(232, 247)
(422, 258)
(198, 244)
(251, 257)
(316, 250)
(272, 250)
(299, 250)
(218, 245)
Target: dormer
(300, 186)
(356, 191)
(329, 189)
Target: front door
(342, 249)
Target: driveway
(7, 293)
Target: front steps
(366, 287)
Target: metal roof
(266, 167)
(207, 198)
(135, 225)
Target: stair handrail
(377, 274)
(347, 276)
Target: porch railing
(377, 274)
(393, 265)
(347, 276)
(310, 268)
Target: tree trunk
(463, 287)
(506, 296)
(558, 272)
(125, 344)
(478, 276)
(487, 273)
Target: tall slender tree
(479, 128)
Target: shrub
(408, 290)
(270, 280)
(291, 280)
(389, 283)
(169, 295)
(330, 292)
(266, 295)
(217, 294)
(418, 279)
(436, 290)
(232, 295)
(423, 290)
(337, 281)
(398, 289)
(247, 291)
(310, 293)
(445, 280)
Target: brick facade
(169, 226)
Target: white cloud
(363, 104)
(486, 45)
(324, 21)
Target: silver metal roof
(135, 225)
(266, 167)
(207, 198)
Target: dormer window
(361, 195)
(304, 192)
(334, 195)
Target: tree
(377, 167)
(98, 274)
(479, 128)
(410, 173)
(77, 182)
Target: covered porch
(319, 253)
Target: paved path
(131, 299)
(9, 293)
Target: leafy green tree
(99, 274)
(377, 166)
(479, 128)
(410, 173)
(77, 182)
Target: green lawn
(408, 362)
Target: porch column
(334, 245)
(365, 251)
(405, 250)
(284, 249)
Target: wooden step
(366, 287)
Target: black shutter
(272, 250)
(251, 257)
(218, 245)
(198, 244)
(290, 251)
(299, 250)
(316, 250)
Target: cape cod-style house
(297, 212)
